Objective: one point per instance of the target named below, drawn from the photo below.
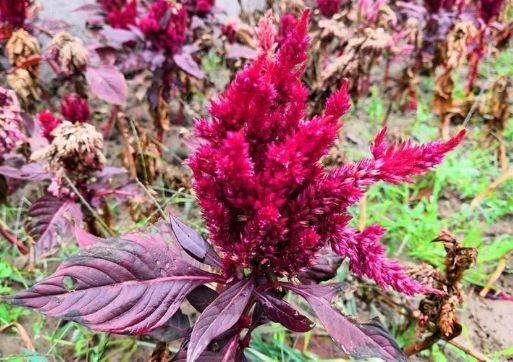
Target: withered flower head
(69, 52)
(21, 46)
(24, 83)
(456, 44)
(10, 122)
(77, 149)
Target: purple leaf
(107, 83)
(237, 51)
(87, 7)
(357, 340)
(30, 172)
(193, 243)
(232, 351)
(85, 239)
(175, 328)
(201, 297)
(219, 316)
(117, 37)
(106, 54)
(207, 356)
(54, 25)
(132, 284)
(281, 312)
(50, 220)
(188, 64)
(324, 268)
(110, 171)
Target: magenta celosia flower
(48, 122)
(490, 9)
(369, 9)
(268, 203)
(11, 122)
(123, 15)
(230, 31)
(165, 26)
(13, 13)
(201, 7)
(287, 23)
(328, 7)
(434, 6)
(75, 108)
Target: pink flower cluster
(165, 26)
(10, 122)
(120, 13)
(48, 123)
(229, 30)
(13, 13)
(434, 6)
(269, 204)
(328, 8)
(73, 108)
(287, 23)
(201, 7)
(490, 9)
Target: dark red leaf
(129, 285)
(51, 221)
(357, 340)
(281, 312)
(219, 316)
(107, 83)
(188, 64)
(193, 243)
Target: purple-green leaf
(128, 285)
(52, 220)
(281, 312)
(222, 314)
(357, 340)
(107, 83)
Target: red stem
(13, 240)
(110, 121)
